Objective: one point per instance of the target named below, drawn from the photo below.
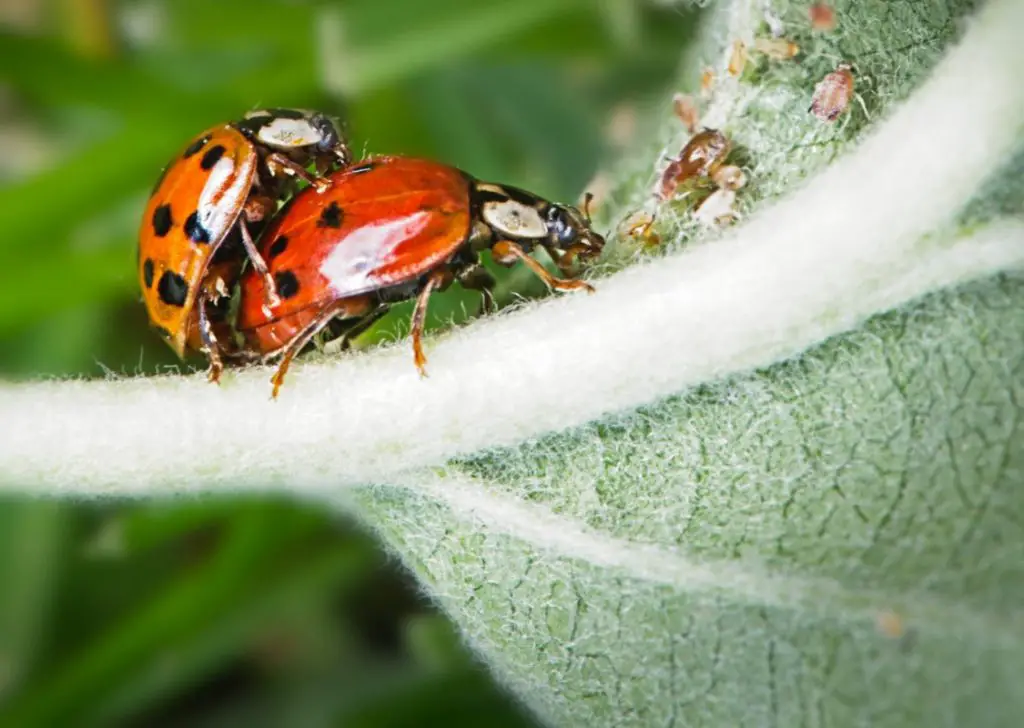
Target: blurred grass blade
(31, 535)
(350, 67)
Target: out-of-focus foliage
(262, 612)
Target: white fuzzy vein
(849, 244)
(747, 581)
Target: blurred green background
(256, 612)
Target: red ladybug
(390, 229)
(195, 227)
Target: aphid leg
(437, 279)
(210, 344)
(507, 253)
(863, 106)
(349, 307)
(278, 163)
(478, 278)
(270, 297)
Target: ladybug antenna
(587, 197)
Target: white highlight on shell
(223, 195)
(351, 265)
(289, 133)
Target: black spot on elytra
(331, 216)
(360, 168)
(287, 284)
(162, 220)
(278, 246)
(196, 146)
(212, 156)
(172, 288)
(147, 272)
(195, 230)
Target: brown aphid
(701, 156)
(890, 624)
(778, 49)
(685, 108)
(822, 17)
(738, 58)
(832, 95)
(707, 82)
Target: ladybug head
(570, 230)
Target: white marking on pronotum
(514, 219)
(287, 133)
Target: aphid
(729, 176)
(832, 95)
(640, 226)
(779, 49)
(701, 156)
(685, 108)
(391, 229)
(737, 58)
(890, 624)
(822, 17)
(716, 208)
(707, 82)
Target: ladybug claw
(213, 374)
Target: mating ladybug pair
(357, 239)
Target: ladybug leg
(565, 259)
(345, 307)
(361, 326)
(507, 253)
(477, 278)
(278, 163)
(210, 344)
(270, 296)
(438, 279)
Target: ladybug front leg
(278, 163)
(439, 279)
(507, 253)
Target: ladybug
(390, 229)
(195, 231)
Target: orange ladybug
(195, 232)
(390, 229)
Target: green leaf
(835, 537)
(830, 540)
